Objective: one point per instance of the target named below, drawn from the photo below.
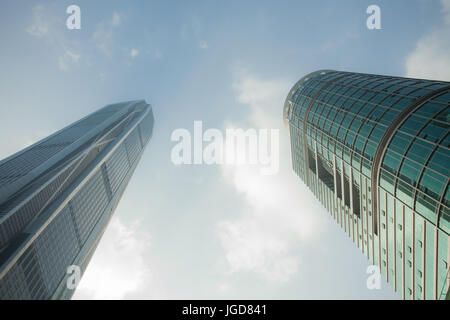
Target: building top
(21, 168)
(397, 127)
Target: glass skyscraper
(58, 195)
(375, 151)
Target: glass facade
(375, 151)
(57, 196)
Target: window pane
(432, 184)
(420, 150)
(413, 124)
(410, 171)
(429, 109)
(440, 161)
(391, 162)
(400, 142)
(434, 131)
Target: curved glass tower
(375, 151)
(58, 195)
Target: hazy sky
(195, 231)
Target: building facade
(58, 195)
(375, 152)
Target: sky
(208, 231)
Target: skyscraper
(58, 195)
(375, 151)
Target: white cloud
(430, 58)
(120, 268)
(68, 59)
(203, 44)
(116, 20)
(343, 39)
(253, 246)
(154, 54)
(102, 76)
(278, 208)
(46, 27)
(134, 53)
(193, 31)
(158, 54)
(104, 40)
(446, 10)
(103, 35)
(264, 97)
(224, 288)
(40, 25)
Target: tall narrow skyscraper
(58, 195)
(375, 151)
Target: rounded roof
(287, 102)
